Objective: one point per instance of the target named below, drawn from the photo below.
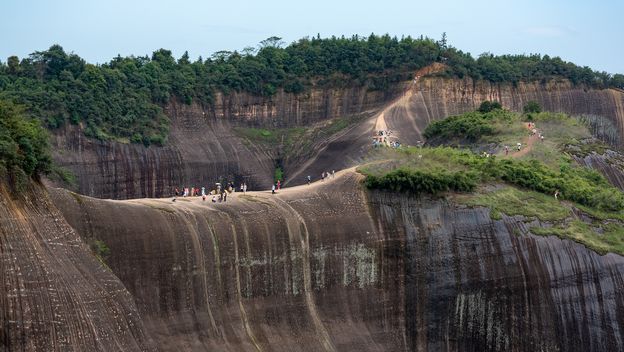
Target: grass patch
(434, 170)
(512, 201)
(100, 250)
(166, 210)
(602, 239)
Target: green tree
(532, 107)
(488, 106)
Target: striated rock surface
(330, 267)
(202, 146)
(54, 294)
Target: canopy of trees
(123, 99)
(23, 145)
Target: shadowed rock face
(332, 267)
(54, 294)
(432, 98)
(610, 164)
(202, 145)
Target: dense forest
(123, 99)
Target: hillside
(448, 242)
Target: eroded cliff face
(436, 98)
(330, 267)
(203, 147)
(54, 294)
(290, 110)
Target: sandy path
(340, 177)
(528, 144)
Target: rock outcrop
(331, 267)
(203, 147)
(54, 294)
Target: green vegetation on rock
(123, 99)
(24, 151)
(513, 201)
(587, 209)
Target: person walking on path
(273, 189)
(309, 180)
(241, 188)
(244, 187)
(506, 150)
(279, 184)
(333, 173)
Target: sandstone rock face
(436, 98)
(289, 110)
(331, 267)
(203, 148)
(202, 145)
(54, 294)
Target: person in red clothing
(278, 184)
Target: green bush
(532, 107)
(469, 126)
(488, 106)
(419, 182)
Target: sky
(588, 33)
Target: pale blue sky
(582, 31)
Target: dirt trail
(528, 145)
(340, 176)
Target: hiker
(244, 187)
(309, 180)
(273, 189)
(177, 192)
(203, 193)
(506, 150)
(333, 173)
(519, 146)
(279, 184)
(557, 194)
(323, 176)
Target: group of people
(535, 131)
(219, 193)
(276, 186)
(324, 175)
(382, 138)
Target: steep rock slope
(202, 145)
(54, 294)
(431, 98)
(330, 267)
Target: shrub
(488, 106)
(532, 107)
